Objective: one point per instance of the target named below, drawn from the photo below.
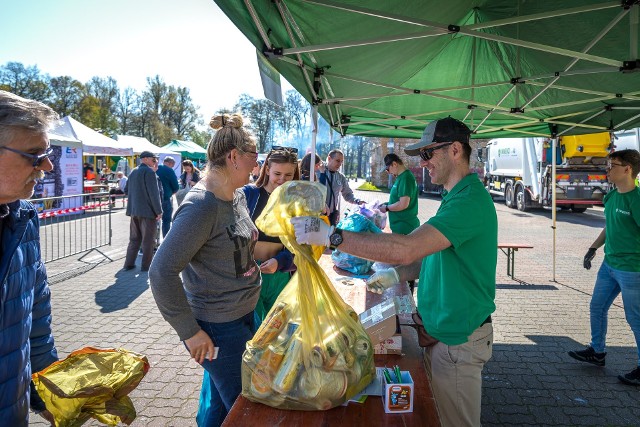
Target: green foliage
(367, 186)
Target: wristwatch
(335, 239)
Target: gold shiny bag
(91, 383)
(311, 352)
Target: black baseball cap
(441, 130)
(146, 154)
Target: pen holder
(398, 398)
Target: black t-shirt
(263, 198)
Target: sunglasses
(427, 153)
(280, 148)
(37, 159)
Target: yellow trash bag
(311, 352)
(91, 382)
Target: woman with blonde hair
(276, 262)
(211, 244)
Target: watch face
(335, 239)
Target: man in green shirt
(403, 197)
(620, 270)
(454, 254)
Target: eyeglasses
(387, 167)
(289, 149)
(37, 159)
(427, 153)
(612, 165)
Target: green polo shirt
(458, 285)
(622, 239)
(404, 221)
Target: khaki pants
(456, 376)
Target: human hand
(383, 208)
(382, 279)
(200, 346)
(591, 253)
(359, 202)
(48, 416)
(270, 266)
(192, 183)
(159, 217)
(311, 230)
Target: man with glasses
(145, 209)
(336, 184)
(454, 255)
(620, 269)
(26, 341)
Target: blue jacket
(26, 342)
(169, 182)
(284, 257)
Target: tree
(66, 95)
(126, 110)
(105, 93)
(262, 115)
(25, 81)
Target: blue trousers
(222, 382)
(609, 284)
(167, 212)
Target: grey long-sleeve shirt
(211, 243)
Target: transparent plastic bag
(360, 224)
(311, 352)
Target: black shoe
(632, 378)
(589, 355)
(128, 267)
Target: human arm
(600, 239)
(173, 182)
(347, 192)
(153, 192)
(591, 253)
(164, 275)
(390, 248)
(398, 206)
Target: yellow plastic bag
(311, 352)
(91, 382)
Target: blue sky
(189, 43)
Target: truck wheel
(522, 199)
(578, 209)
(508, 196)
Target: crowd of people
(215, 283)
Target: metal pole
(390, 146)
(314, 134)
(553, 200)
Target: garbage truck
(520, 170)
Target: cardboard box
(398, 397)
(380, 321)
(391, 345)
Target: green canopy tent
(187, 149)
(506, 68)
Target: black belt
(487, 320)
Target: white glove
(382, 279)
(311, 230)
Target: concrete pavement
(530, 379)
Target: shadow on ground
(129, 285)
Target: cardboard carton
(380, 321)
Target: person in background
(26, 340)
(305, 167)
(336, 184)
(170, 187)
(190, 176)
(403, 197)
(620, 269)
(145, 209)
(276, 262)
(89, 174)
(454, 253)
(204, 277)
(255, 173)
(121, 185)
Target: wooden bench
(510, 249)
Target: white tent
(139, 145)
(93, 143)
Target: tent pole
(314, 134)
(553, 200)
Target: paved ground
(530, 379)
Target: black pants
(142, 233)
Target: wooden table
(371, 412)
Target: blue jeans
(609, 284)
(167, 211)
(222, 382)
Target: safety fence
(71, 225)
